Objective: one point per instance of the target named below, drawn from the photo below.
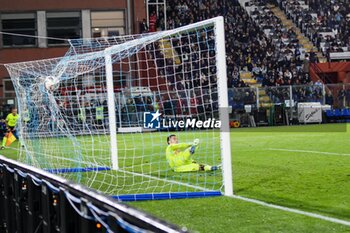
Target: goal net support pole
(111, 110)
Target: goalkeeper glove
(196, 142)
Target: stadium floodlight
(101, 115)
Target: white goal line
(291, 210)
(309, 151)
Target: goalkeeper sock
(207, 168)
(214, 168)
(4, 141)
(192, 150)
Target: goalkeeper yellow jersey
(177, 156)
(12, 119)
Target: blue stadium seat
(329, 113)
(346, 112)
(337, 113)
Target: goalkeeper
(179, 156)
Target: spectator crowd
(325, 22)
(255, 43)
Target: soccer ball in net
(51, 83)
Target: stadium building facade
(63, 19)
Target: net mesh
(64, 123)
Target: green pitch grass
(302, 167)
(141, 157)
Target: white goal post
(224, 108)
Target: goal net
(101, 114)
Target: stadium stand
(271, 44)
(326, 23)
(259, 50)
